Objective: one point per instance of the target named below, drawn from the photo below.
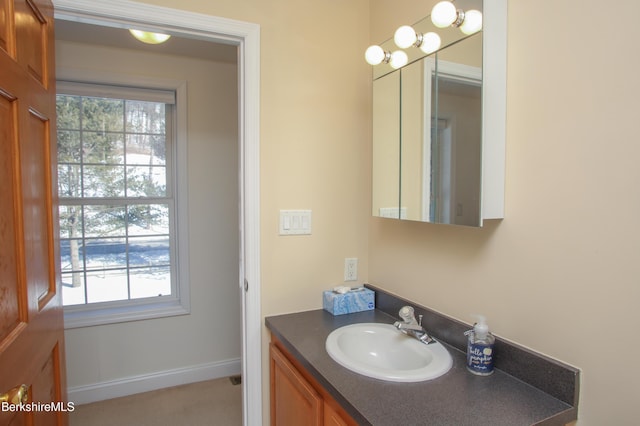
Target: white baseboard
(86, 394)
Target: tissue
(352, 301)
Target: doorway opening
(245, 37)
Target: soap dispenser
(480, 348)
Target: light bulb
(374, 55)
(149, 37)
(405, 36)
(443, 14)
(472, 22)
(430, 42)
(398, 59)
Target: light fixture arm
(459, 18)
(419, 40)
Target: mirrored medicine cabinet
(439, 126)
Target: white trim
(148, 382)
(494, 107)
(76, 316)
(458, 72)
(247, 37)
(129, 91)
(250, 283)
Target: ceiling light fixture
(149, 37)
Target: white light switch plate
(295, 222)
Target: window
(117, 203)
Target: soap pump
(480, 348)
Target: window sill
(77, 318)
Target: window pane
(101, 221)
(107, 286)
(71, 256)
(148, 219)
(150, 282)
(106, 253)
(146, 149)
(68, 112)
(70, 221)
(73, 288)
(112, 155)
(69, 145)
(149, 251)
(69, 181)
(103, 148)
(103, 181)
(146, 181)
(145, 117)
(106, 115)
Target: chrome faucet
(411, 327)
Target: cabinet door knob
(17, 395)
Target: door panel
(31, 34)
(36, 199)
(31, 321)
(5, 14)
(11, 296)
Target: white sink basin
(382, 352)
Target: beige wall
(558, 274)
(122, 351)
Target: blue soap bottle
(480, 348)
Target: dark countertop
(457, 398)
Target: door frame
(246, 36)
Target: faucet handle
(407, 314)
(420, 320)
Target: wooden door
(31, 321)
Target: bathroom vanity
(526, 388)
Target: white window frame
(76, 316)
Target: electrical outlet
(351, 269)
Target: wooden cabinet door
(332, 417)
(31, 321)
(294, 402)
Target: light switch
(295, 222)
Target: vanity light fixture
(445, 14)
(398, 59)
(375, 55)
(406, 36)
(472, 22)
(149, 37)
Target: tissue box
(353, 301)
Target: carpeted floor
(213, 402)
